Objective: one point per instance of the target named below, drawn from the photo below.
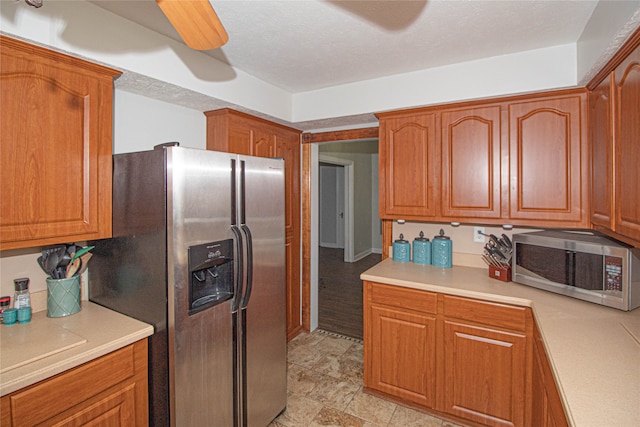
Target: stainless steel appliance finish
(583, 265)
(199, 252)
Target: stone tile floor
(325, 389)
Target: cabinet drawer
(397, 296)
(489, 313)
(34, 405)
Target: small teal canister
(421, 250)
(401, 250)
(441, 251)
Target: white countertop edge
(450, 291)
(100, 340)
(61, 366)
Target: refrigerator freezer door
(263, 320)
(201, 345)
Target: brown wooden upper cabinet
(602, 155)
(548, 159)
(471, 144)
(235, 132)
(408, 166)
(615, 150)
(55, 147)
(627, 147)
(519, 160)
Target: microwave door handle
(570, 267)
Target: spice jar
(5, 302)
(21, 298)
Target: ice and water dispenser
(210, 274)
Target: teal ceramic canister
(421, 250)
(401, 250)
(441, 251)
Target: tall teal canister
(421, 250)
(441, 251)
(401, 250)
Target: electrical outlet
(477, 237)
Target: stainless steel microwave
(584, 265)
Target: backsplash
(18, 263)
(466, 252)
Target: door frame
(349, 236)
(309, 150)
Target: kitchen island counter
(594, 351)
(45, 347)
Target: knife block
(503, 273)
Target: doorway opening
(349, 231)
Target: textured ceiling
(305, 45)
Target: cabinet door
(601, 131)
(484, 374)
(402, 354)
(109, 391)
(547, 160)
(117, 409)
(262, 142)
(408, 166)
(471, 163)
(627, 173)
(55, 146)
(288, 147)
(238, 141)
(547, 408)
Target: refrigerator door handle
(247, 292)
(237, 286)
(243, 216)
(234, 214)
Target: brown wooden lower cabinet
(474, 360)
(109, 391)
(484, 374)
(547, 404)
(389, 360)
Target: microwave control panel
(612, 273)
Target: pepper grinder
(421, 250)
(441, 251)
(401, 250)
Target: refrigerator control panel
(210, 274)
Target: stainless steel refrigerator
(198, 251)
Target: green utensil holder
(63, 296)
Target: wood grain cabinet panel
(547, 410)
(548, 163)
(55, 147)
(235, 132)
(627, 147)
(408, 160)
(403, 360)
(464, 357)
(484, 374)
(471, 163)
(520, 160)
(109, 391)
(602, 153)
(400, 342)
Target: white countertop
(594, 351)
(44, 347)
